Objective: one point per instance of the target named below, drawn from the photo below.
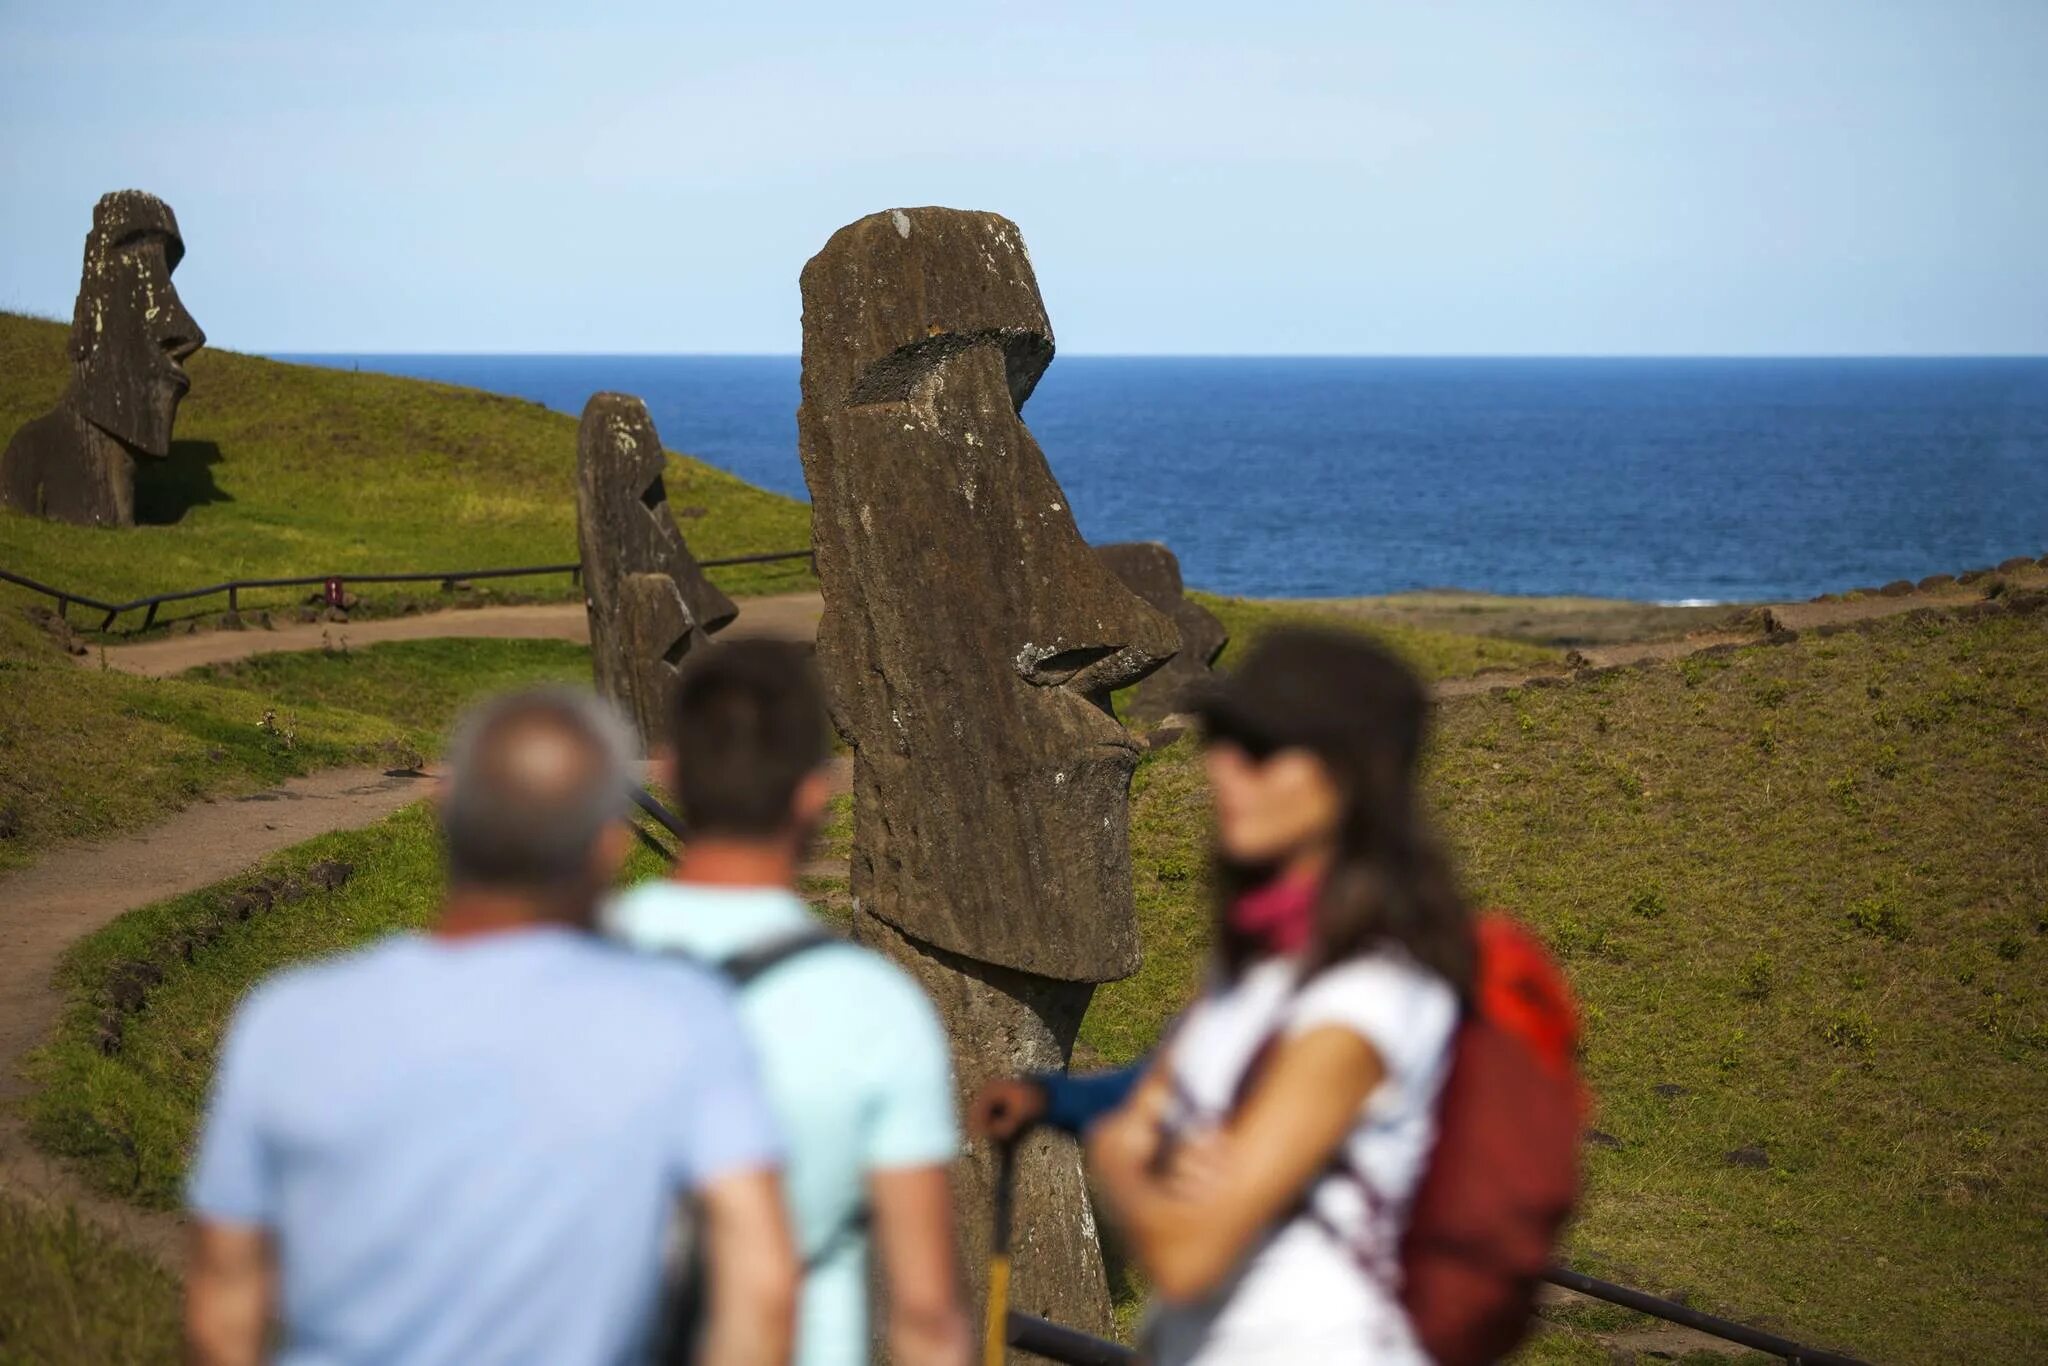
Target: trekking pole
(994, 1343)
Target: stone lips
(970, 638)
(1152, 571)
(648, 600)
(130, 337)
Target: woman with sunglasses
(1262, 1169)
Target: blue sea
(1665, 480)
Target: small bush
(1850, 1030)
(1575, 938)
(2010, 948)
(1843, 790)
(1757, 977)
(1647, 903)
(1879, 916)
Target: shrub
(1575, 938)
(1647, 903)
(1849, 1029)
(1880, 916)
(1756, 977)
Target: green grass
(91, 752)
(421, 684)
(1801, 891)
(1806, 885)
(284, 470)
(70, 1293)
(1434, 651)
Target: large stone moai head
(970, 637)
(1152, 571)
(130, 333)
(130, 337)
(649, 602)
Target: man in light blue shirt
(852, 1054)
(469, 1146)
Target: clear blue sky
(1407, 177)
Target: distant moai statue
(649, 602)
(1152, 571)
(970, 642)
(130, 335)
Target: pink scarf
(1278, 916)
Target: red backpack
(1504, 1174)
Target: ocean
(1694, 480)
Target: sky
(1404, 177)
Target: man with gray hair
(468, 1145)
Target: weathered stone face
(130, 333)
(970, 643)
(970, 638)
(649, 602)
(130, 337)
(1152, 571)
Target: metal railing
(234, 588)
(1029, 1333)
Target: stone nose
(178, 334)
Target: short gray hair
(534, 778)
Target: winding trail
(76, 888)
(787, 615)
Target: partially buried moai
(130, 337)
(970, 642)
(1152, 571)
(648, 601)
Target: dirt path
(793, 615)
(75, 889)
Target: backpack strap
(743, 969)
(746, 967)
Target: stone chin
(144, 428)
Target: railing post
(149, 617)
(234, 599)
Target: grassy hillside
(284, 470)
(421, 684)
(92, 752)
(1803, 892)
(1801, 889)
(1436, 650)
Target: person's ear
(813, 797)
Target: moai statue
(649, 603)
(130, 335)
(970, 642)
(1152, 571)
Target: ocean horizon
(1672, 479)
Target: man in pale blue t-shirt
(469, 1146)
(852, 1054)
